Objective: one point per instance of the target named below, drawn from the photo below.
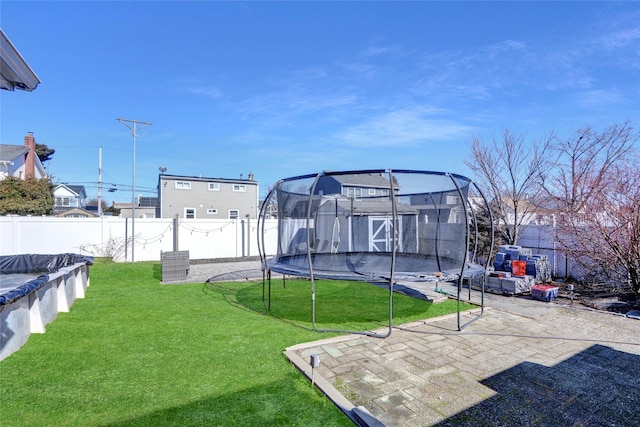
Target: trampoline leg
(458, 308)
(267, 303)
(461, 327)
(269, 297)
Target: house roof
(10, 152)
(524, 205)
(121, 205)
(78, 190)
(205, 179)
(356, 206)
(67, 211)
(362, 180)
(15, 73)
(380, 206)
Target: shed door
(381, 232)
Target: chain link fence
(588, 284)
(592, 281)
(562, 266)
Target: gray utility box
(175, 265)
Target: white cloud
(621, 38)
(594, 98)
(499, 49)
(281, 108)
(476, 73)
(208, 91)
(408, 126)
(373, 51)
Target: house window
(239, 187)
(372, 191)
(190, 213)
(385, 192)
(453, 200)
(234, 213)
(354, 193)
(214, 186)
(183, 185)
(63, 201)
(212, 211)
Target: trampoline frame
(267, 269)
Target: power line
(132, 125)
(123, 187)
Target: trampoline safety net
(374, 225)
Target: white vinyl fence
(111, 237)
(203, 238)
(542, 239)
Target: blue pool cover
(14, 269)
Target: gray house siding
(350, 185)
(207, 198)
(328, 185)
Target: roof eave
(15, 73)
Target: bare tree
(583, 162)
(508, 170)
(94, 202)
(595, 190)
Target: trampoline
(377, 226)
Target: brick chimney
(30, 161)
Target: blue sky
(289, 88)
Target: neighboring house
(21, 161)
(527, 212)
(435, 207)
(15, 73)
(67, 197)
(353, 185)
(271, 209)
(146, 207)
(215, 198)
(122, 207)
(76, 213)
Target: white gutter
(15, 73)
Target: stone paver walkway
(568, 367)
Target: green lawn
(138, 353)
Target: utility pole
(100, 182)
(132, 125)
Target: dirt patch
(606, 297)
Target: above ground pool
(33, 290)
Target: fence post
(175, 233)
(248, 235)
(236, 234)
(242, 239)
(126, 237)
